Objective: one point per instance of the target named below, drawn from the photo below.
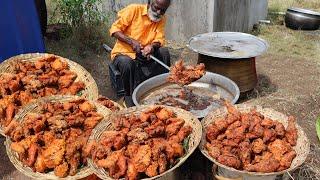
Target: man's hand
(147, 51)
(136, 46)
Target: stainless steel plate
(231, 45)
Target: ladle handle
(161, 63)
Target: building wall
(187, 18)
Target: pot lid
(305, 11)
(232, 45)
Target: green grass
(286, 42)
(282, 5)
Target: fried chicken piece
(278, 148)
(125, 122)
(237, 133)
(73, 161)
(131, 150)
(269, 135)
(110, 163)
(152, 170)
(57, 123)
(107, 103)
(93, 119)
(31, 82)
(212, 132)
(221, 124)
(163, 163)
(10, 112)
(40, 165)
(54, 153)
(132, 173)
(61, 170)
(245, 152)
(137, 135)
(74, 88)
(32, 154)
(234, 125)
(66, 79)
(50, 78)
(264, 166)
(58, 64)
(157, 128)
(173, 126)
(230, 160)
(22, 146)
(213, 151)
(280, 130)
(184, 132)
(14, 130)
(164, 114)
(258, 146)
(143, 158)
(257, 132)
(86, 107)
(233, 113)
(113, 139)
(183, 75)
(291, 131)
(286, 160)
(267, 123)
(121, 167)
(25, 97)
(174, 150)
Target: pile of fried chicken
(56, 137)
(107, 103)
(251, 141)
(31, 80)
(184, 75)
(143, 145)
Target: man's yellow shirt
(134, 22)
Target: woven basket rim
(83, 172)
(91, 91)
(245, 108)
(197, 131)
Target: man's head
(157, 8)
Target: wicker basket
(190, 119)
(302, 148)
(91, 90)
(34, 108)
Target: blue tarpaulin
(19, 28)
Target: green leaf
(318, 127)
(186, 144)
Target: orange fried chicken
(291, 132)
(183, 75)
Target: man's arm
(136, 46)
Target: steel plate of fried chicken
(31, 80)
(251, 141)
(55, 139)
(140, 146)
(184, 75)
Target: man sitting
(139, 30)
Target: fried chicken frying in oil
(251, 141)
(31, 80)
(143, 145)
(184, 75)
(56, 137)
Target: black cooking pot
(302, 19)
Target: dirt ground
(289, 84)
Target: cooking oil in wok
(195, 98)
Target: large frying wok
(210, 83)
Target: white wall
(187, 18)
